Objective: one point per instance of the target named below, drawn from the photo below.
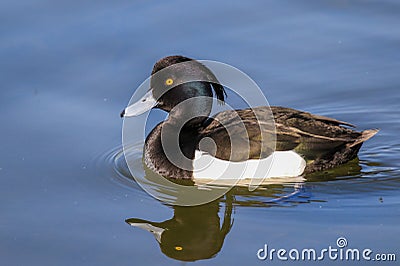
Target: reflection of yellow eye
(169, 82)
(178, 248)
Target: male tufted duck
(305, 143)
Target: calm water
(67, 70)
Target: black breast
(161, 139)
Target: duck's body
(304, 141)
(321, 141)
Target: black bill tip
(122, 114)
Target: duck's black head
(181, 86)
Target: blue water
(67, 69)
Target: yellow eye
(178, 248)
(169, 82)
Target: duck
(194, 233)
(303, 142)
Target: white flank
(280, 164)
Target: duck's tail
(365, 135)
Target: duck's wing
(312, 136)
(316, 136)
(240, 135)
(284, 113)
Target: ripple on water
(112, 164)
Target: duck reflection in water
(198, 232)
(193, 233)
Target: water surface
(68, 69)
